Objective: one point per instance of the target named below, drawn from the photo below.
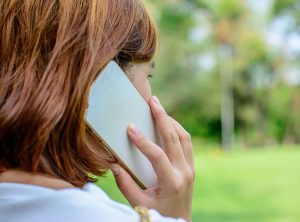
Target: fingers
(186, 142)
(155, 154)
(132, 192)
(166, 128)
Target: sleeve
(133, 216)
(157, 217)
(99, 205)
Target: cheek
(143, 86)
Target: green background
(244, 185)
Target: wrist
(188, 218)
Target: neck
(17, 176)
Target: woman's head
(50, 53)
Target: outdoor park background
(229, 71)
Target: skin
(174, 165)
(139, 74)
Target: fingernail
(155, 100)
(115, 171)
(134, 130)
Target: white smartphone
(114, 103)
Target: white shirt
(29, 203)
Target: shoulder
(92, 204)
(88, 205)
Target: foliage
(188, 67)
(288, 8)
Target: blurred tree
(288, 8)
(189, 65)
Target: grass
(243, 185)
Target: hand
(174, 167)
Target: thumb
(132, 192)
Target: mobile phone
(114, 103)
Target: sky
(288, 46)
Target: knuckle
(177, 187)
(173, 137)
(158, 155)
(160, 113)
(187, 137)
(189, 177)
(141, 141)
(123, 184)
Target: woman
(50, 54)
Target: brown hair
(51, 51)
